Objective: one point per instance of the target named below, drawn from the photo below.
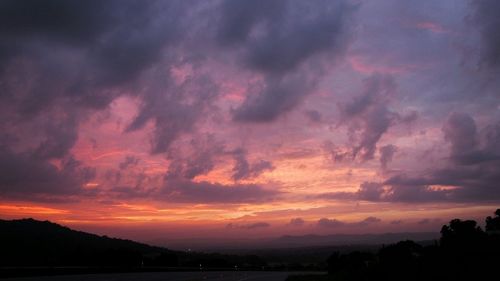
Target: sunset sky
(156, 120)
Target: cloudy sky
(169, 119)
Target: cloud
(427, 221)
(282, 44)
(330, 223)
(369, 220)
(25, 176)
(460, 130)
(296, 222)
(386, 154)
(129, 161)
(205, 192)
(174, 108)
(403, 189)
(277, 96)
(470, 175)
(68, 60)
(370, 191)
(64, 61)
(368, 117)
(485, 16)
(334, 223)
(249, 226)
(313, 116)
(396, 222)
(200, 159)
(238, 18)
(285, 40)
(244, 170)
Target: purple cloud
(296, 222)
(244, 170)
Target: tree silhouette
(464, 252)
(353, 266)
(493, 224)
(461, 234)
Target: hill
(32, 243)
(29, 242)
(310, 240)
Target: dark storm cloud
(276, 42)
(242, 169)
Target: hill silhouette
(29, 242)
(32, 243)
(351, 239)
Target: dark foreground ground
(168, 276)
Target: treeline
(464, 252)
(32, 243)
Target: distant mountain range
(303, 241)
(289, 241)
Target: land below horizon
(42, 248)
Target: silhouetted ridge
(43, 243)
(309, 240)
(30, 242)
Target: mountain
(29, 242)
(289, 241)
(244, 245)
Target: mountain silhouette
(32, 247)
(29, 242)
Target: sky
(156, 120)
